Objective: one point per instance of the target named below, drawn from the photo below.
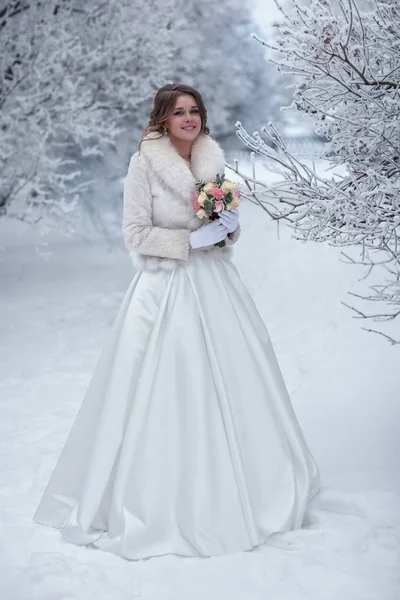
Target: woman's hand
(208, 234)
(230, 219)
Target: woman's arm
(139, 232)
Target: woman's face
(185, 122)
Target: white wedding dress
(186, 441)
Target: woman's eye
(180, 112)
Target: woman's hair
(164, 104)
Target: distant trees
(214, 52)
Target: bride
(186, 441)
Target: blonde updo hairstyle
(164, 104)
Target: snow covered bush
(70, 73)
(346, 62)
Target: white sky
(265, 11)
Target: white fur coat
(158, 213)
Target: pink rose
(236, 193)
(219, 205)
(196, 206)
(218, 193)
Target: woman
(186, 441)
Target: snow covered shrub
(345, 60)
(70, 74)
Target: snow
(56, 313)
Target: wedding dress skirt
(186, 441)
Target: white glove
(230, 219)
(208, 234)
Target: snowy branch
(347, 67)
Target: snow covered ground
(345, 385)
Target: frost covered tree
(70, 73)
(346, 61)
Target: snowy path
(345, 385)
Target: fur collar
(207, 159)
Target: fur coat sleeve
(139, 232)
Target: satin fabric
(186, 441)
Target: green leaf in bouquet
(219, 180)
(208, 206)
(228, 197)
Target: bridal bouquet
(214, 196)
